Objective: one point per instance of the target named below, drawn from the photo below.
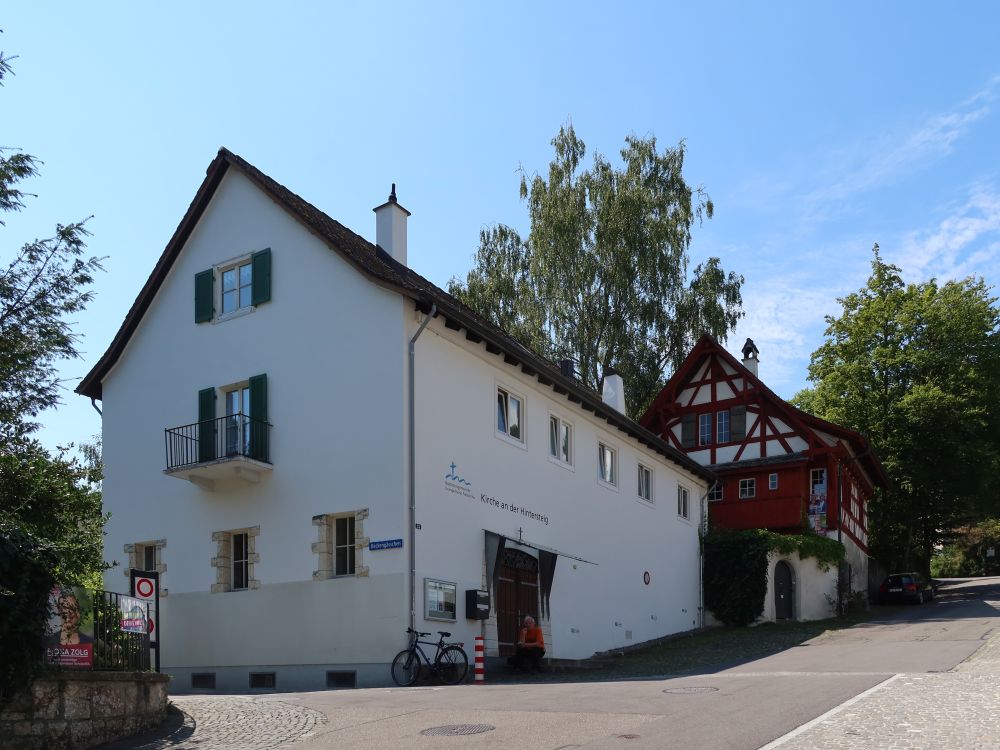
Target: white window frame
(720, 418)
(704, 437)
(683, 502)
(748, 488)
(505, 435)
(601, 448)
(715, 494)
(351, 545)
(650, 495)
(233, 265)
(813, 473)
(242, 562)
(558, 456)
(772, 480)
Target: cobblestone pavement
(957, 710)
(235, 721)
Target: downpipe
(702, 533)
(413, 467)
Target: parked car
(907, 587)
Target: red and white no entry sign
(152, 625)
(144, 588)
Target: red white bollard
(480, 659)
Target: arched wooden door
(517, 596)
(782, 591)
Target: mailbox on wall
(477, 604)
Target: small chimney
(566, 368)
(750, 356)
(390, 227)
(614, 390)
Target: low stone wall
(81, 709)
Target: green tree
(602, 277)
(916, 368)
(51, 522)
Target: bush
(26, 565)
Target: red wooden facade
(779, 468)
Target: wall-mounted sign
(439, 599)
(386, 544)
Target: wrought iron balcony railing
(232, 436)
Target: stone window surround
(323, 546)
(222, 562)
(132, 550)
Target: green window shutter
(261, 289)
(259, 434)
(738, 423)
(204, 294)
(206, 424)
(687, 431)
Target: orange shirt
(533, 637)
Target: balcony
(231, 447)
(757, 513)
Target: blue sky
(817, 129)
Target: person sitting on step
(530, 646)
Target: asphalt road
(740, 708)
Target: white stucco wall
(592, 605)
(811, 587)
(331, 344)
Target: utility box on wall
(477, 604)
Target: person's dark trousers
(530, 655)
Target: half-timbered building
(779, 468)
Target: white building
(257, 423)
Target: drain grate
(628, 736)
(690, 690)
(454, 730)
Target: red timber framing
(779, 447)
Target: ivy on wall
(736, 568)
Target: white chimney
(614, 390)
(390, 227)
(750, 356)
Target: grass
(720, 647)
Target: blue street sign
(386, 544)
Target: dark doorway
(782, 591)
(517, 596)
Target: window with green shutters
(244, 434)
(242, 285)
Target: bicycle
(450, 663)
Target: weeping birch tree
(603, 278)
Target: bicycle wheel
(405, 668)
(452, 665)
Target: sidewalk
(959, 709)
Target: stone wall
(81, 709)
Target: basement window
(203, 680)
(263, 680)
(340, 680)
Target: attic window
(236, 285)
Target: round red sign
(144, 587)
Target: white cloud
(966, 242)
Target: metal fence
(118, 646)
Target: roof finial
(392, 195)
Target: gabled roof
(707, 346)
(380, 268)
